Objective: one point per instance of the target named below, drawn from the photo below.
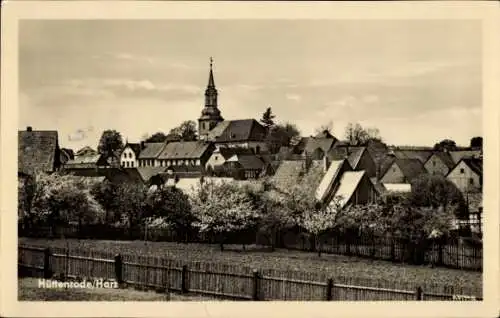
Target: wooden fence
(447, 254)
(217, 280)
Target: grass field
(259, 258)
(28, 290)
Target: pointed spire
(211, 82)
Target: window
(434, 163)
(462, 170)
(471, 181)
(132, 164)
(216, 158)
(393, 169)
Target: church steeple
(210, 115)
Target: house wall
(464, 178)
(215, 159)
(245, 144)
(365, 192)
(128, 159)
(394, 175)
(436, 166)
(367, 164)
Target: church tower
(210, 115)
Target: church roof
(241, 130)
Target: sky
(417, 81)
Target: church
(241, 133)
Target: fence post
(419, 293)
(329, 289)
(256, 285)
(47, 271)
(184, 288)
(119, 269)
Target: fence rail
(213, 279)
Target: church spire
(211, 82)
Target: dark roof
(114, 175)
(353, 154)
(421, 155)
(184, 150)
(229, 152)
(445, 158)
(136, 148)
(37, 151)
(324, 144)
(242, 130)
(249, 162)
(411, 168)
(83, 162)
(459, 155)
(475, 164)
(151, 150)
(147, 172)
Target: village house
(403, 171)
(129, 157)
(38, 151)
(149, 153)
(467, 175)
(246, 166)
(185, 153)
(86, 151)
(439, 163)
(358, 157)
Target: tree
(267, 118)
(111, 141)
(61, 199)
(445, 145)
(156, 137)
(357, 135)
(106, 193)
(186, 131)
(282, 135)
(326, 128)
(319, 221)
(476, 142)
(173, 206)
(132, 198)
(25, 195)
(436, 191)
(221, 209)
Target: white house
(129, 157)
(467, 175)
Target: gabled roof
(136, 148)
(241, 130)
(460, 154)
(184, 150)
(445, 157)
(88, 161)
(421, 155)
(349, 182)
(37, 151)
(329, 179)
(353, 154)
(68, 153)
(311, 144)
(114, 175)
(86, 151)
(475, 164)
(410, 168)
(151, 150)
(288, 172)
(324, 134)
(147, 172)
(218, 130)
(247, 162)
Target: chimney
(326, 163)
(29, 128)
